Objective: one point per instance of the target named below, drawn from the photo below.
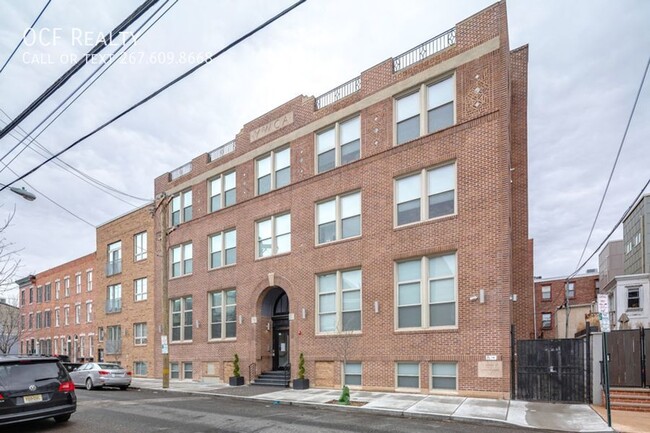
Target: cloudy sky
(586, 63)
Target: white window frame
(571, 288)
(397, 374)
(425, 301)
(77, 313)
(220, 183)
(89, 280)
(77, 282)
(183, 251)
(140, 246)
(57, 317)
(183, 322)
(345, 374)
(639, 290)
(220, 239)
(338, 293)
(137, 371)
(274, 170)
(89, 311)
(174, 370)
(431, 375)
(66, 286)
(140, 288)
(140, 334)
(339, 216)
(337, 131)
(57, 289)
(66, 315)
(423, 111)
(184, 366)
(545, 290)
(223, 307)
(424, 194)
(274, 235)
(181, 203)
(549, 321)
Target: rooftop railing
(222, 151)
(424, 50)
(338, 93)
(180, 171)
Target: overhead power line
(160, 90)
(23, 39)
(611, 174)
(77, 66)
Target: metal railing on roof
(424, 50)
(338, 93)
(180, 171)
(222, 150)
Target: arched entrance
(276, 306)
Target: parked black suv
(34, 387)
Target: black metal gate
(553, 370)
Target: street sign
(165, 347)
(603, 310)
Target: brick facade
(487, 232)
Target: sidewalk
(547, 416)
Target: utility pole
(162, 207)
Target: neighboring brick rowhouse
(487, 232)
(585, 288)
(118, 305)
(53, 294)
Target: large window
(428, 281)
(223, 249)
(429, 109)
(274, 235)
(223, 314)
(181, 312)
(114, 265)
(339, 218)
(140, 368)
(139, 334)
(181, 260)
(443, 375)
(352, 373)
(339, 144)
(408, 375)
(571, 290)
(114, 298)
(546, 293)
(181, 207)
(435, 187)
(140, 289)
(339, 301)
(273, 170)
(140, 246)
(222, 190)
(113, 342)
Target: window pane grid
(339, 301)
(274, 235)
(274, 170)
(339, 144)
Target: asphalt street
(145, 411)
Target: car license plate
(33, 398)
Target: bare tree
(9, 261)
(9, 327)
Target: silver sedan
(100, 374)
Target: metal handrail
(222, 150)
(287, 374)
(252, 367)
(180, 171)
(424, 50)
(338, 93)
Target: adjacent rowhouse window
(428, 109)
(114, 265)
(223, 249)
(223, 314)
(181, 207)
(47, 295)
(77, 314)
(435, 188)
(429, 281)
(140, 246)
(89, 281)
(140, 289)
(140, 368)
(633, 297)
(223, 191)
(114, 298)
(273, 170)
(39, 324)
(339, 144)
(187, 370)
(274, 235)
(443, 375)
(546, 320)
(89, 311)
(57, 317)
(408, 375)
(352, 373)
(173, 370)
(66, 315)
(546, 293)
(571, 290)
(47, 318)
(339, 218)
(77, 283)
(66, 286)
(139, 333)
(339, 301)
(181, 260)
(181, 312)
(39, 294)
(57, 290)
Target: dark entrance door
(552, 370)
(281, 333)
(626, 357)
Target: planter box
(301, 384)
(236, 381)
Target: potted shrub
(301, 382)
(236, 379)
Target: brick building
(57, 309)
(126, 303)
(550, 303)
(384, 223)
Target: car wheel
(124, 388)
(62, 418)
(89, 384)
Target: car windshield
(22, 373)
(109, 367)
